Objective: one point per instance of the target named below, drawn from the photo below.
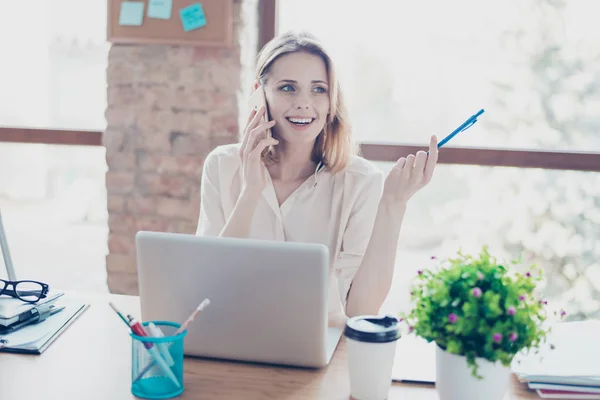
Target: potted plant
(480, 313)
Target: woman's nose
(302, 102)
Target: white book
(574, 359)
(36, 338)
(557, 394)
(568, 388)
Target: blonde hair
(334, 144)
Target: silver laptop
(268, 299)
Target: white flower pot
(454, 380)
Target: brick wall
(168, 106)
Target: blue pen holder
(157, 362)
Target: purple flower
(497, 337)
(522, 297)
(476, 292)
(419, 272)
(452, 318)
(528, 274)
(563, 313)
(545, 302)
(511, 310)
(411, 328)
(513, 336)
(433, 257)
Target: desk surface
(92, 360)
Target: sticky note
(132, 13)
(192, 17)
(160, 9)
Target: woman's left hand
(409, 175)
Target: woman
(310, 186)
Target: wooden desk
(92, 360)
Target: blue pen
(466, 125)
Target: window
(53, 197)
(54, 214)
(412, 69)
(53, 73)
(550, 218)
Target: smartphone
(258, 100)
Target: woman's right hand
(254, 142)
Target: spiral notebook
(35, 338)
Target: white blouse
(335, 210)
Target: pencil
(191, 318)
(182, 328)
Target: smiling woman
(312, 187)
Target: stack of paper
(35, 338)
(569, 371)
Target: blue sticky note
(132, 13)
(160, 9)
(192, 17)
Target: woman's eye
(286, 88)
(320, 89)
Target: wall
(168, 107)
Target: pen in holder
(182, 328)
(165, 378)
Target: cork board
(218, 30)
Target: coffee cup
(371, 346)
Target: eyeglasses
(27, 291)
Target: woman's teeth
(300, 121)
